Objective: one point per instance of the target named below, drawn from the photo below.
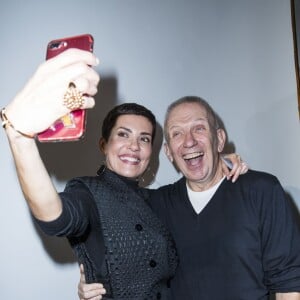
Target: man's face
(194, 146)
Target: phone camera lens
(57, 45)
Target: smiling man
(195, 141)
(235, 240)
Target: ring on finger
(73, 98)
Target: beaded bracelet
(6, 122)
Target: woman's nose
(134, 145)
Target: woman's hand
(40, 103)
(233, 166)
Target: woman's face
(129, 147)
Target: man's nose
(189, 140)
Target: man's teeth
(193, 155)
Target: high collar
(129, 181)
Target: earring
(147, 178)
(101, 169)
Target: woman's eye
(122, 134)
(146, 139)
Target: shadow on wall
(229, 146)
(58, 248)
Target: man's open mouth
(194, 155)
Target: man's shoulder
(168, 191)
(173, 187)
(259, 177)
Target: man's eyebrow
(195, 121)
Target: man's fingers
(82, 276)
(91, 291)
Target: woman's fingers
(87, 83)
(236, 165)
(42, 98)
(67, 58)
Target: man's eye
(175, 134)
(200, 128)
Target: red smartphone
(70, 127)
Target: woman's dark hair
(126, 109)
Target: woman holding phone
(106, 218)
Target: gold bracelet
(6, 122)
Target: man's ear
(168, 152)
(102, 145)
(221, 139)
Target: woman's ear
(102, 145)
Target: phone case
(71, 127)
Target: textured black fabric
(136, 257)
(140, 253)
(245, 243)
